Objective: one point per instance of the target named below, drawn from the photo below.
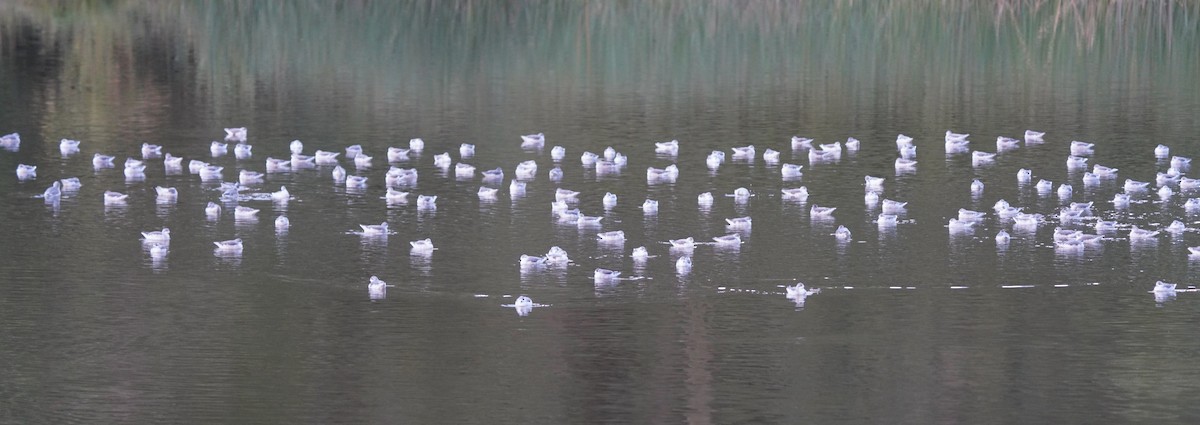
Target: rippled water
(912, 325)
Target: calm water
(95, 331)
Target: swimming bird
(1002, 237)
(894, 207)
(26, 172)
(667, 148)
(356, 182)
(795, 193)
(887, 220)
(950, 135)
(235, 134)
(245, 213)
(151, 151)
(427, 202)
(799, 143)
(394, 197)
(871, 199)
(374, 229)
(242, 151)
(610, 200)
(650, 206)
(353, 151)
(565, 195)
(114, 198)
(982, 158)
(487, 193)
(588, 158)
(1135, 186)
(321, 157)
(873, 184)
(247, 177)
(1135, 233)
(903, 165)
(683, 265)
(1082, 148)
(908, 152)
(303, 162)
(852, 144)
(67, 147)
(714, 161)
(464, 171)
(1176, 227)
(1120, 201)
(1044, 186)
(1104, 172)
(1162, 151)
(954, 146)
(212, 210)
(743, 152)
(102, 161)
(233, 246)
(842, 233)
(976, 187)
(741, 195)
(605, 276)
(683, 244)
(771, 156)
(640, 254)
(296, 146)
(166, 194)
(1167, 179)
(516, 189)
(70, 184)
(1161, 287)
(395, 154)
(730, 239)
(1076, 163)
(557, 257)
(667, 174)
(957, 225)
(1165, 192)
(273, 165)
(969, 215)
(423, 246)
(11, 142)
(1106, 226)
(1024, 176)
(218, 149)
(526, 170)
(416, 145)
(1065, 191)
(533, 141)
(171, 162)
(362, 161)
(610, 153)
(163, 235)
(739, 223)
(1180, 162)
(339, 174)
(613, 236)
(442, 160)
(209, 172)
(158, 251)
(798, 293)
(282, 195)
(704, 199)
(376, 288)
(557, 153)
(791, 171)
(1033, 136)
(54, 192)
(1006, 143)
(529, 261)
(282, 223)
(556, 174)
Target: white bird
(516, 189)
(683, 244)
(1120, 200)
(26, 172)
(556, 174)
(1006, 143)
(957, 225)
(1162, 151)
(982, 158)
(362, 161)
(245, 213)
(1082, 148)
(166, 194)
(613, 236)
(353, 151)
(163, 235)
(1163, 287)
(212, 209)
(67, 146)
(1024, 176)
(151, 151)
(71, 184)
(1065, 191)
(969, 215)
(588, 158)
(667, 148)
(493, 175)
(683, 265)
(842, 233)
(282, 195)
(416, 145)
(565, 195)
(1076, 163)
(10, 141)
(704, 199)
(158, 251)
(1135, 186)
(1033, 136)
(1176, 227)
(1002, 237)
(799, 143)
(376, 288)
(744, 152)
(1044, 186)
(852, 144)
(394, 197)
(950, 135)
(903, 164)
(894, 207)
(242, 151)
(976, 187)
(247, 177)
(282, 223)
(114, 198)
(887, 220)
(235, 134)
(395, 154)
(423, 246)
(54, 192)
(296, 147)
(321, 157)
(739, 223)
(796, 193)
(557, 153)
(273, 165)
(771, 156)
(874, 184)
(610, 200)
(650, 206)
(487, 193)
(798, 292)
(640, 254)
(533, 141)
(218, 149)
(557, 257)
(427, 202)
(442, 160)
(172, 162)
(727, 240)
(1180, 162)
(356, 182)
(102, 161)
(668, 174)
(464, 171)
(374, 229)
(526, 170)
(1136, 233)
(233, 246)
(605, 276)
(339, 174)
(791, 171)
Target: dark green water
(92, 330)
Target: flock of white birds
(157, 242)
